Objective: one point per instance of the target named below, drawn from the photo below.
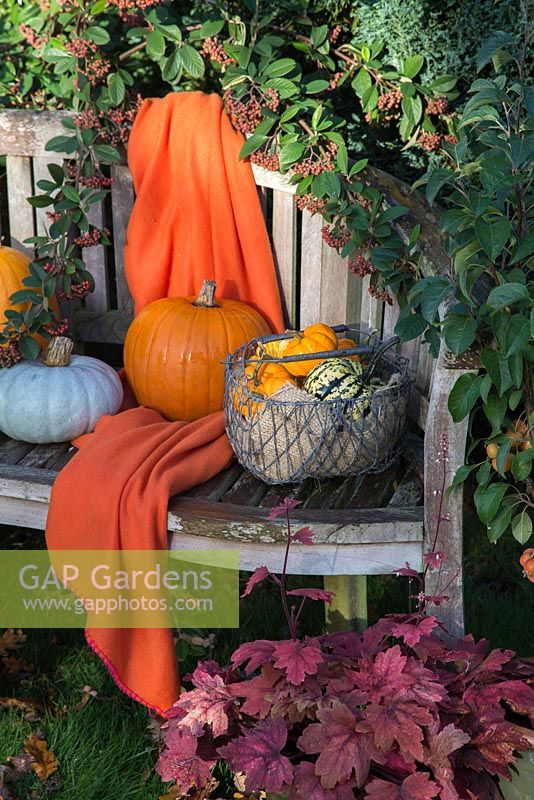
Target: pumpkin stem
(206, 297)
(58, 352)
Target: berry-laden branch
(280, 81)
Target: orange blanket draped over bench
(197, 215)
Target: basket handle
(367, 374)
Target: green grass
(105, 749)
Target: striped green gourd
(334, 377)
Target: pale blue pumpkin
(40, 403)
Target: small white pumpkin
(57, 398)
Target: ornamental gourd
(316, 338)
(13, 269)
(57, 398)
(175, 347)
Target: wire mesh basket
(291, 435)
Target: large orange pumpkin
(13, 268)
(174, 349)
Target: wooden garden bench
(363, 526)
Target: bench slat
(122, 199)
(19, 188)
(284, 238)
(96, 262)
(310, 269)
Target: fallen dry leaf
(11, 639)
(194, 794)
(33, 708)
(15, 669)
(45, 762)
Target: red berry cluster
(53, 216)
(77, 291)
(451, 138)
(246, 113)
(334, 81)
(437, 106)
(384, 296)
(360, 265)
(133, 5)
(314, 164)
(308, 202)
(214, 50)
(31, 37)
(91, 238)
(389, 105)
(81, 48)
(429, 141)
(336, 235)
(96, 69)
(10, 354)
(333, 34)
(364, 202)
(112, 126)
(57, 328)
(268, 161)
(131, 19)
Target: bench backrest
(315, 281)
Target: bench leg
(348, 609)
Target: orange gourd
(175, 347)
(348, 344)
(313, 339)
(13, 269)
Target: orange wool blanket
(197, 215)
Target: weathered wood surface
(353, 541)
(19, 187)
(445, 444)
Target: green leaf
(211, 28)
(155, 45)
(192, 61)
(506, 295)
(60, 144)
(107, 154)
(318, 35)
(24, 296)
(488, 500)
(412, 66)
(523, 248)
(290, 153)
(57, 172)
(437, 179)
(413, 108)
(28, 347)
(464, 395)
(459, 333)
(522, 464)
(283, 86)
(98, 34)
(522, 527)
(410, 327)
(314, 87)
(252, 144)
(361, 82)
(117, 89)
(461, 474)
(171, 70)
(493, 236)
(500, 524)
(517, 334)
(497, 368)
(434, 291)
(499, 41)
(443, 84)
(495, 409)
(279, 68)
(369, 99)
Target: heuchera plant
(390, 714)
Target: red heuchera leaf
(434, 559)
(203, 671)
(286, 507)
(441, 745)
(261, 691)
(411, 632)
(307, 786)
(256, 653)
(179, 761)
(407, 571)
(208, 705)
(258, 754)
(313, 594)
(401, 723)
(298, 659)
(516, 694)
(345, 750)
(396, 763)
(414, 787)
(258, 576)
(492, 749)
(394, 676)
(303, 535)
